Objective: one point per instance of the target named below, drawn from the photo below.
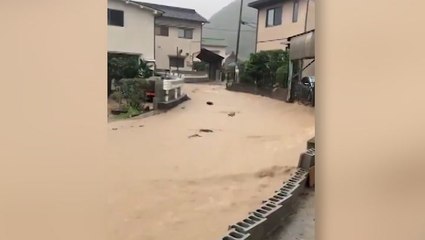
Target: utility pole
(239, 38)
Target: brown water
(170, 186)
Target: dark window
(274, 17)
(177, 62)
(295, 11)
(115, 17)
(185, 33)
(161, 30)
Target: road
(170, 186)
(301, 224)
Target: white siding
(137, 35)
(167, 45)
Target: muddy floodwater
(174, 181)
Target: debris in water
(206, 130)
(114, 129)
(195, 135)
(210, 103)
(232, 114)
(183, 107)
(265, 173)
(141, 126)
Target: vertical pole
(306, 15)
(238, 38)
(177, 63)
(289, 96)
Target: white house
(131, 28)
(178, 34)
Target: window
(177, 62)
(161, 30)
(295, 11)
(115, 18)
(274, 17)
(185, 33)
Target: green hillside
(224, 24)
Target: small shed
(214, 60)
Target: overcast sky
(204, 7)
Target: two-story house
(279, 19)
(131, 28)
(178, 33)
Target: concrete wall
(137, 35)
(166, 46)
(271, 38)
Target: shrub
(200, 66)
(282, 76)
(133, 90)
(117, 96)
(261, 68)
(126, 66)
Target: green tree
(261, 68)
(126, 66)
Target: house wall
(271, 38)
(166, 46)
(137, 35)
(216, 49)
(311, 19)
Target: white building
(178, 34)
(131, 28)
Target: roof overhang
(214, 45)
(264, 3)
(142, 6)
(302, 46)
(208, 56)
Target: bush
(133, 91)
(282, 76)
(117, 96)
(200, 66)
(261, 68)
(126, 66)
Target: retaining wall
(262, 222)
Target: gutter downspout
(306, 16)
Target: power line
(229, 30)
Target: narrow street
(301, 224)
(172, 181)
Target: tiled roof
(217, 42)
(176, 12)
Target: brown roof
(175, 12)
